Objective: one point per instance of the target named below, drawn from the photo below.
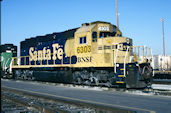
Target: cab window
(82, 40)
(107, 34)
(94, 36)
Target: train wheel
(87, 82)
(79, 80)
(108, 84)
(94, 81)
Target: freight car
(7, 51)
(93, 54)
(161, 66)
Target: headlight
(117, 65)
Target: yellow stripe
(121, 76)
(122, 69)
(114, 105)
(120, 82)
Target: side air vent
(107, 47)
(100, 48)
(114, 46)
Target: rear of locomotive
(113, 58)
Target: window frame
(83, 40)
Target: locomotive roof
(66, 34)
(100, 22)
(69, 33)
(85, 28)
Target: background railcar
(162, 66)
(7, 51)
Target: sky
(138, 19)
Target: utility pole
(118, 32)
(117, 14)
(162, 20)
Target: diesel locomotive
(94, 54)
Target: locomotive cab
(95, 45)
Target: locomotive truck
(94, 54)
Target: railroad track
(162, 81)
(46, 104)
(9, 106)
(26, 101)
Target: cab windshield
(107, 34)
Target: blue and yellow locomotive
(93, 54)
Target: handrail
(125, 60)
(116, 57)
(25, 57)
(145, 50)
